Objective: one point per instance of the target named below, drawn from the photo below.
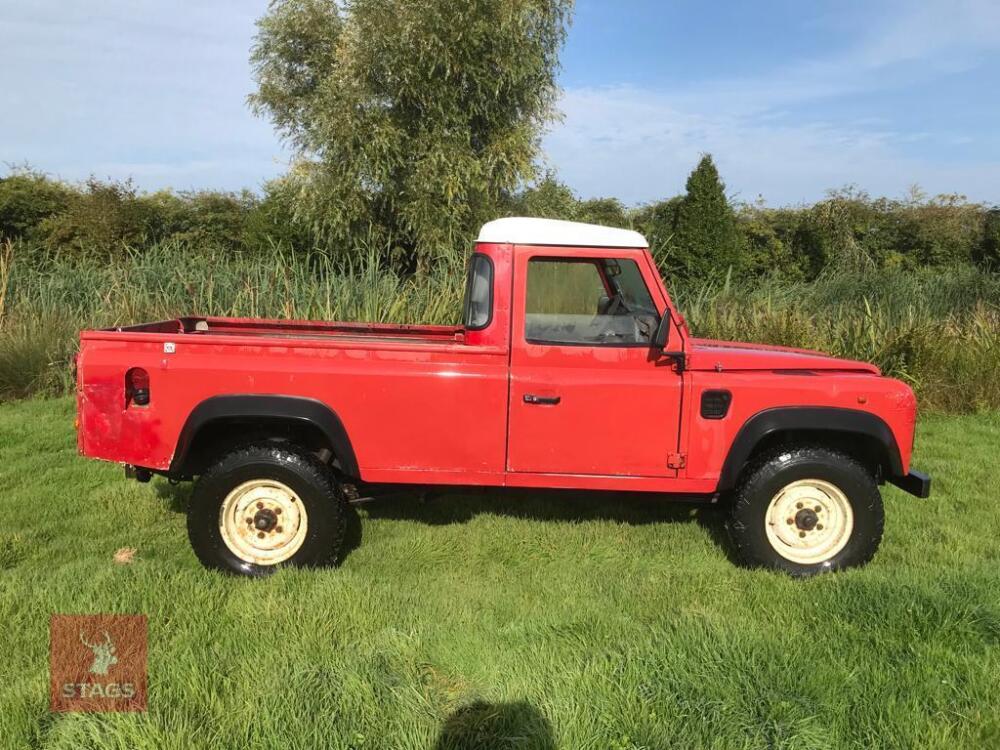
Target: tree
(412, 118)
(546, 199)
(706, 240)
(766, 250)
(101, 219)
(657, 221)
(987, 252)
(608, 212)
(26, 199)
(549, 198)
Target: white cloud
(157, 91)
(906, 42)
(134, 88)
(953, 28)
(639, 144)
(632, 143)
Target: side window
(599, 301)
(478, 308)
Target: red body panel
(605, 393)
(441, 405)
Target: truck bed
(300, 329)
(388, 385)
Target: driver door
(587, 394)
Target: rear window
(478, 309)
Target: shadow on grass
(442, 506)
(445, 506)
(176, 496)
(488, 726)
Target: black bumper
(916, 483)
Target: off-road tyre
(313, 486)
(763, 491)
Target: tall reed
(938, 330)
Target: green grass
(520, 620)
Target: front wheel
(807, 510)
(268, 505)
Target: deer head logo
(104, 654)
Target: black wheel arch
(258, 415)
(862, 434)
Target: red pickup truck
(571, 369)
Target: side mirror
(662, 333)
(660, 343)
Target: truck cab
(592, 402)
(570, 369)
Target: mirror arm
(679, 358)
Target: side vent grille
(715, 404)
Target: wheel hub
(265, 520)
(806, 519)
(809, 521)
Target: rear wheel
(807, 510)
(268, 505)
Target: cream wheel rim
(263, 522)
(809, 521)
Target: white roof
(520, 231)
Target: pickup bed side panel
(107, 427)
(426, 410)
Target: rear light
(137, 387)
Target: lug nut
(798, 505)
(818, 509)
(791, 521)
(278, 529)
(260, 506)
(250, 521)
(819, 527)
(260, 534)
(277, 511)
(802, 534)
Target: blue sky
(791, 98)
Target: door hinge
(676, 460)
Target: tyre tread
(766, 466)
(309, 466)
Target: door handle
(531, 398)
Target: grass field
(509, 621)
